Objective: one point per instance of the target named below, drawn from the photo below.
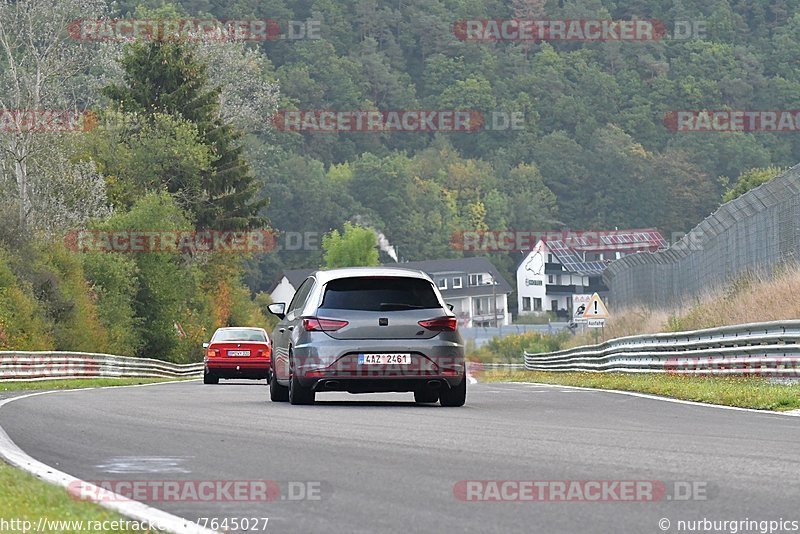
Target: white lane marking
(122, 505)
(793, 413)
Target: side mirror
(205, 345)
(278, 309)
(449, 306)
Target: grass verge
(80, 383)
(742, 392)
(26, 498)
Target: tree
(357, 246)
(750, 179)
(42, 68)
(166, 77)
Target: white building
(554, 271)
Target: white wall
(283, 292)
(531, 271)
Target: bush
(113, 279)
(22, 323)
(509, 349)
(63, 289)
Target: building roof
(635, 240)
(468, 266)
(569, 250)
(294, 276)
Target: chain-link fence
(752, 233)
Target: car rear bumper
(355, 384)
(238, 367)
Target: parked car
(237, 353)
(366, 330)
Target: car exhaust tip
(332, 384)
(434, 384)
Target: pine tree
(165, 76)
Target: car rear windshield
(379, 294)
(240, 335)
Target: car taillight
(212, 353)
(440, 324)
(319, 324)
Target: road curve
(384, 464)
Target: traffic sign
(579, 303)
(595, 309)
(595, 323)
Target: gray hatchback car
(366, 330)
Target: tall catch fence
(751, 234)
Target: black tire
(455, 396)
(426, 396)
(208, 378)
(277, 392)
(299, 394)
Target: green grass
(742, 392)
(79, 383)
(27, 498)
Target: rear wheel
(208, 378)
(277, 392)
(454, 396)
(426, 396)
(299, 394)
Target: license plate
(384, 359)
(238, 353)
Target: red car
(237, 353)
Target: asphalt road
(383, 464)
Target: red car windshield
(239, 335)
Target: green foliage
(356, 246)
(510, 348)
(214, 179)
(751, 179)
(164, 284)
(70, 303)
(113, 278)
(22, 322)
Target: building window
(457, 282)
(549, 278)
(537, 304)
(554, 305)
(442, 283)
(549, 258)
(475, 279)
(526, 304)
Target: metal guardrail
(61, 365)
(765, 349)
